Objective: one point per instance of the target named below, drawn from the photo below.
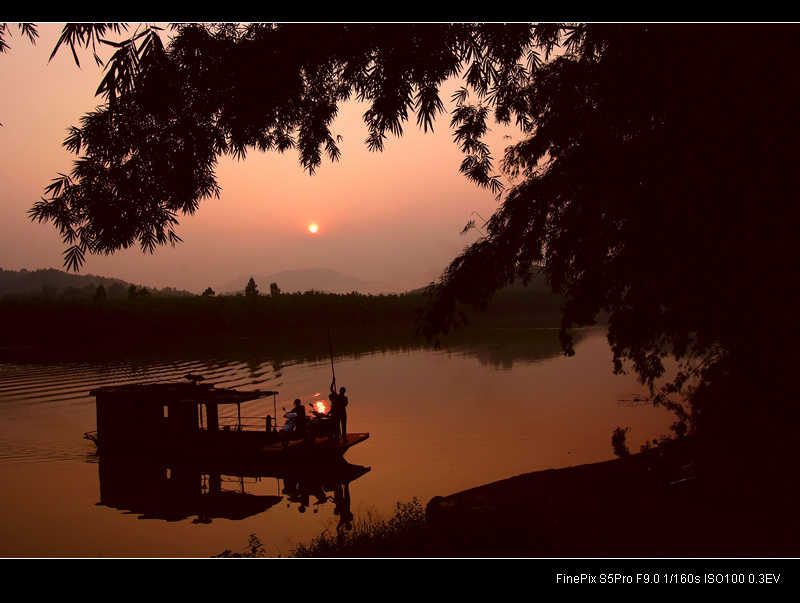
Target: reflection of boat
(175, 491)
(183, 419)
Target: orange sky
(394, 216)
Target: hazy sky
(394, 216)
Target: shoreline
(612, 509)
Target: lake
(485, 406)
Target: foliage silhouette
(402, 535)
(251, 289)
(618, 441)
(654, 177)
(171, 111)
(650, 190)
(26, 29)
(49, 321)
(100, 293)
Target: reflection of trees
(502, 348)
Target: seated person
(296, 421)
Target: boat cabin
(138, 412)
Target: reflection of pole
(330, 347)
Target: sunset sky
(394, 217)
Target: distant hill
(320, 279)
(50, 282)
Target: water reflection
(501, 348)
(172, 491)
(265, 357)
(52, 374)
(438, 421)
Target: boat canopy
(160, 409)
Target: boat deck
(319, 444)
(182, 419)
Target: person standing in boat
(338, 411)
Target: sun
(313, 228)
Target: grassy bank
(627, 507)
(402, 535)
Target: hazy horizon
(288, 281)
(394, 217)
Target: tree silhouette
(653, 184)
(653, 188)
(251, 290)
(26, 29)
(171, 111)
(100, 293)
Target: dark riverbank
(619, 509)
(41, 322)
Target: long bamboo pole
(330, 347)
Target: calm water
(488, 406)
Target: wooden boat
(183, 419)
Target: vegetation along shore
(122, 314)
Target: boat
(183, 419)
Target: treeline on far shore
(38, 321)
